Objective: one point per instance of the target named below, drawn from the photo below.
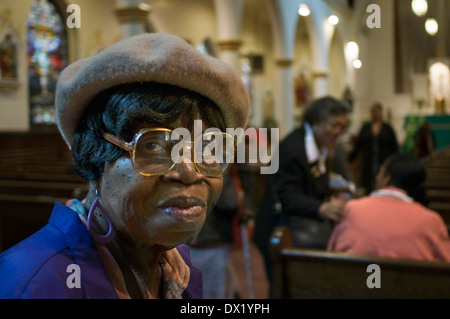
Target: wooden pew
(32, 179)
(22, 215)
(318, 274)
(438, 182)
(38, 167)
(39, 188)
(26, 155)
(39, 175)
(25, 206)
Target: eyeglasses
(156, 151)
(338, 125)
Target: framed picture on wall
(9, 74)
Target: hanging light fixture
(419, 7)
(431, 26)
(352, 50)
(357, 63)
(333, 19)
(303, 10)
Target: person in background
(211, 249)
(118, 112)
(298, 195)
(392, 221)
(424, 141)
(375, 142)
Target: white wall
(193, 20)
(375, 80)
(14, 105)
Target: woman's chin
(172, 239)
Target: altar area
(439, 125)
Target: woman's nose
(186, 173)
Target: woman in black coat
(375, 142)
(298, 194)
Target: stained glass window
(47, 56)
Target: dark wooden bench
(14, 173)
(25, 206)
(438, 159)
(318, 274)
(23, 157)
(22, 215)
(38, 164)
(32, 179)
(40, 188)
(438, 182)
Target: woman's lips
(184, 213)
(184, 208)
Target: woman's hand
(333, 209)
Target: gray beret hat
(151, 57)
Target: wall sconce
(419, 7)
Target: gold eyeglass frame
(131, 148)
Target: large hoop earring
(102, 239)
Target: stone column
(229, 21)
(133, 16)
(229, 18)
(284, 95)
(229, 52)
(320, 83)
(321, 33)
(284, 17)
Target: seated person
(392, 221)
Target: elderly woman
(298, 195)
(151, 188)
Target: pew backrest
(304, 273)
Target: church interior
(287, 53)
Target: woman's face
(165, 210)
(376, 113)
(329, 130)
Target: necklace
(168, 283)
(171, 293)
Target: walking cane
(247, 258)
(244, 234)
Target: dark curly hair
(408, 173)
(321, 109)
(123, 109)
